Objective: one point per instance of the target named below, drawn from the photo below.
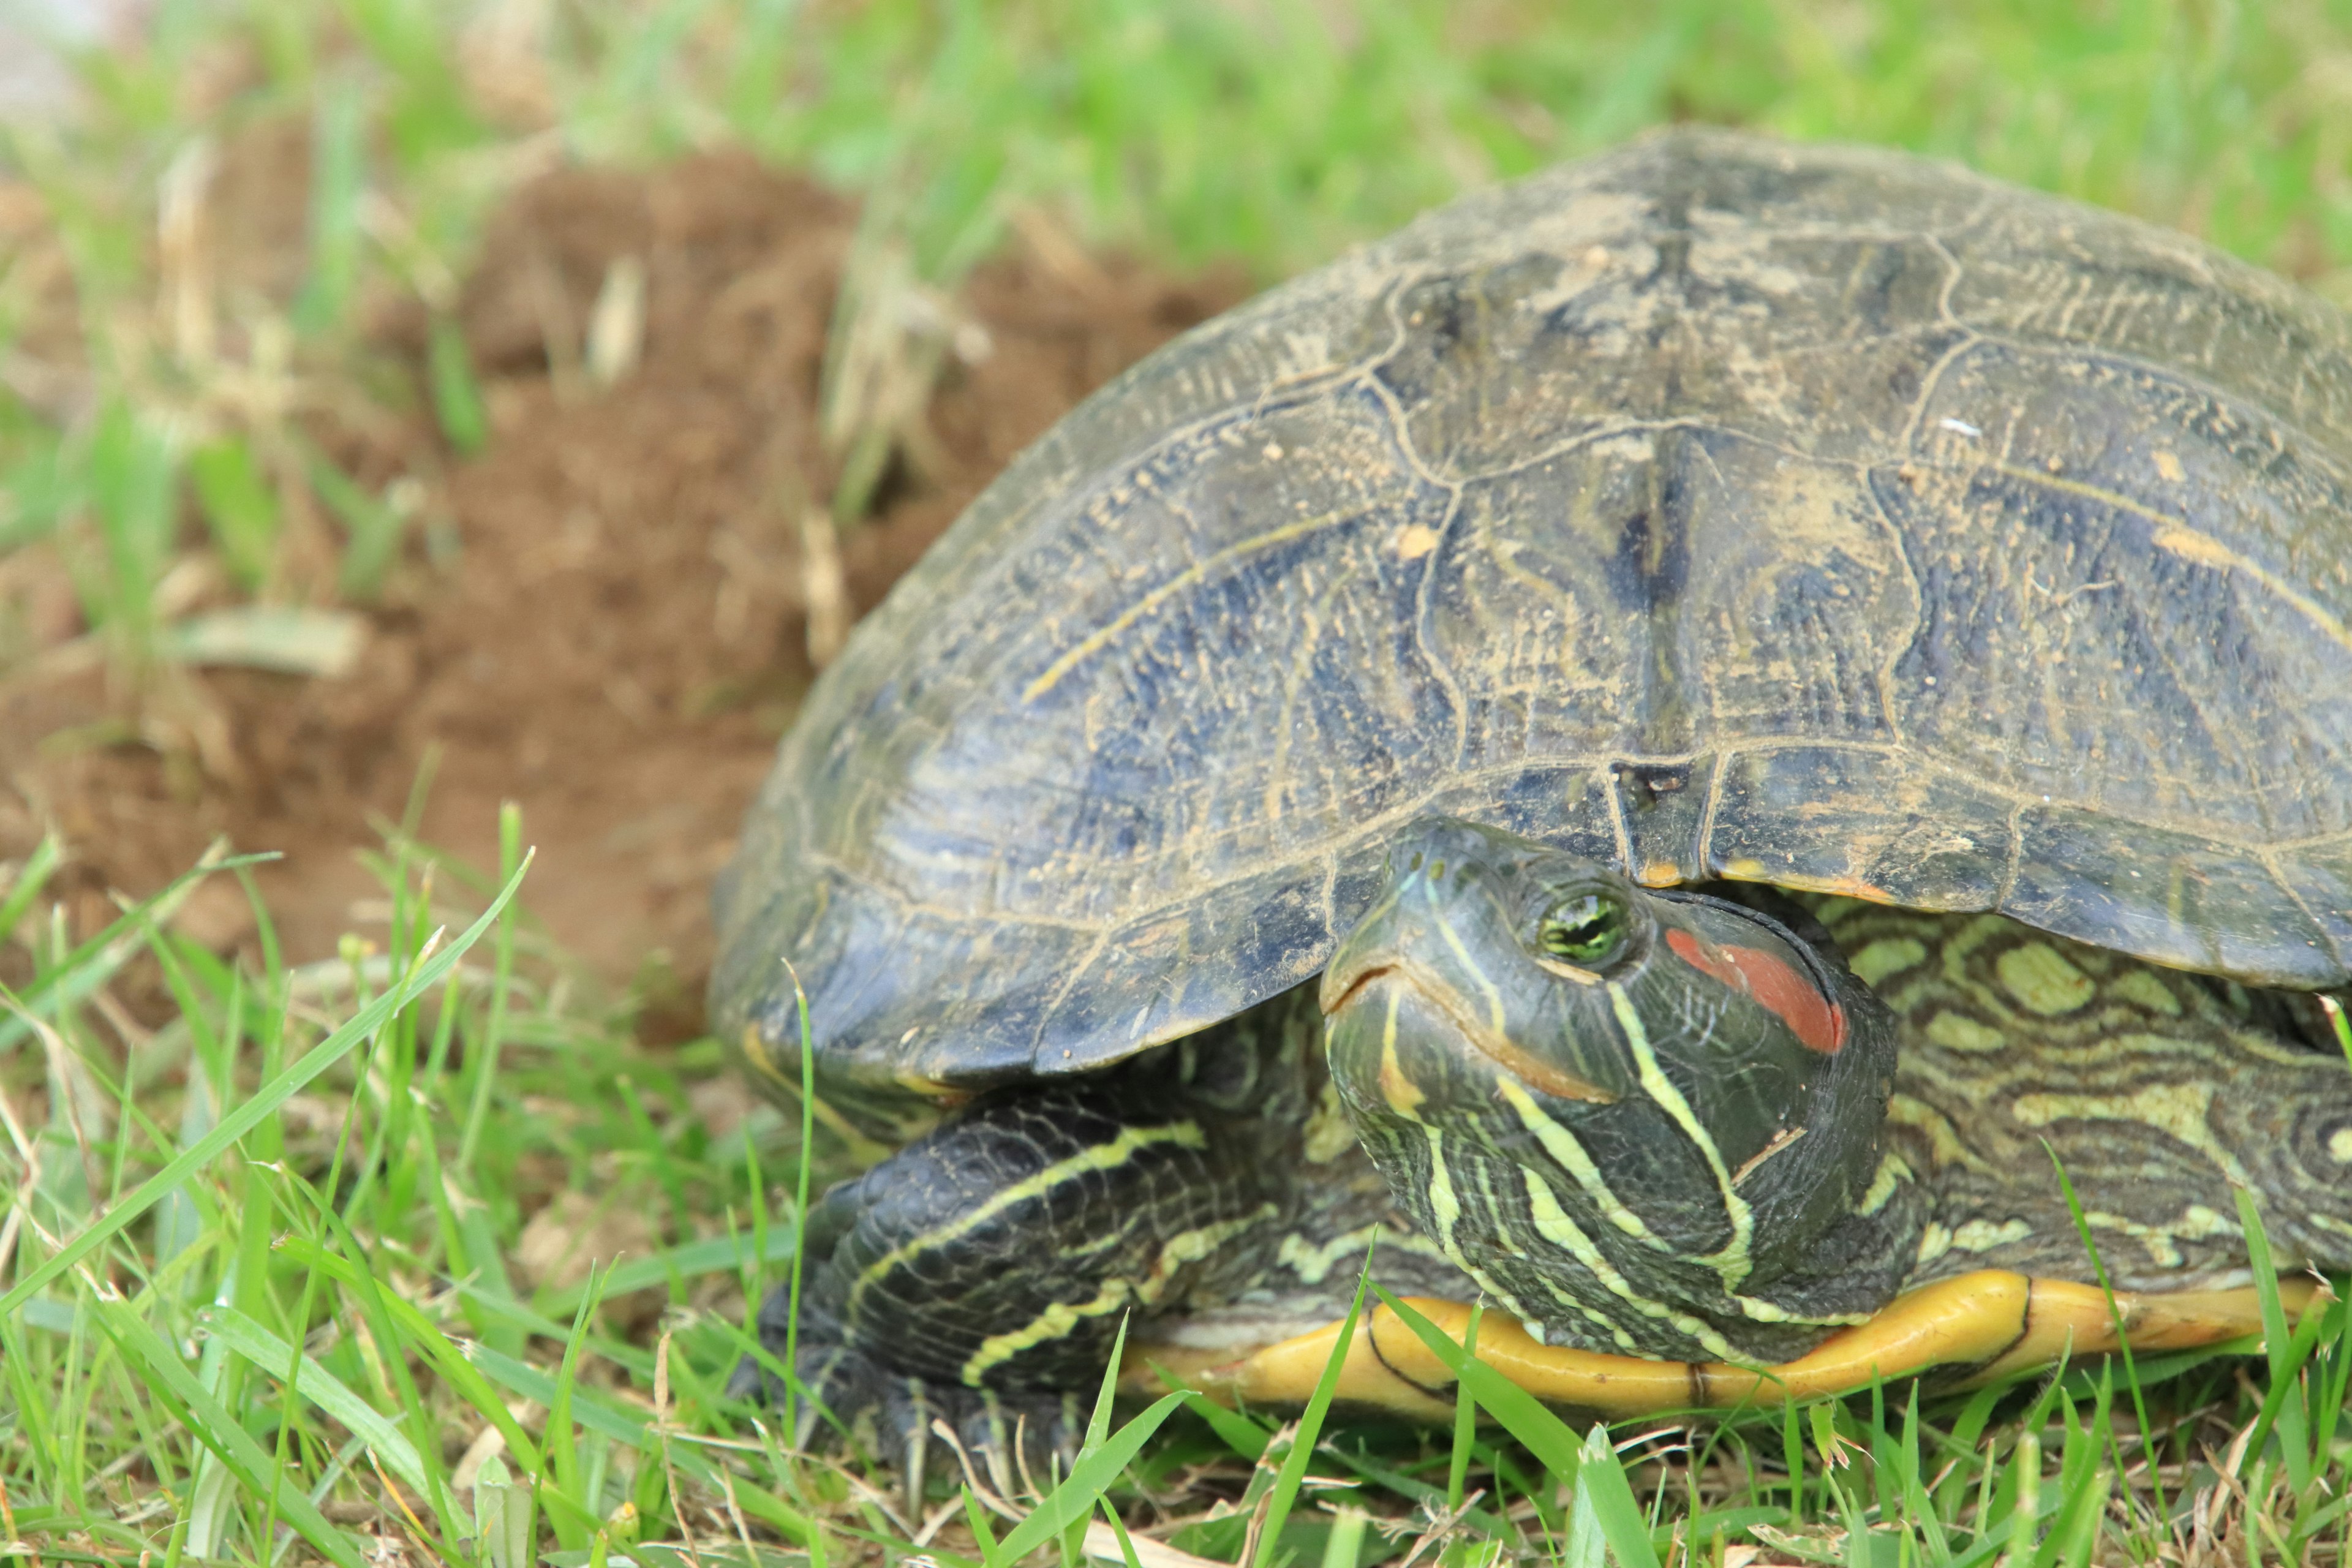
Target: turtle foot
(1014, 1442)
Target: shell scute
(1715, 506)
(1833, 816)
(2179, 897)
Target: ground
(605, 616)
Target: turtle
(1733, 758)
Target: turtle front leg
(979, 1276)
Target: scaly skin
(1714, 1143)
(978, 1276)
(2157, 1090)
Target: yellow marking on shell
(1553, 1224)
(1105, 1157)
(2180, 1110)
(2142, 989)
(1991, 1321)
(1563, 1147)
(1944, 1144)
(1984, 1234)
(1743, 869)
(2339, 1145)
(2167, 466)
(2044, 979)
(1199, 571)
(1886, 957)
(1837, 887)
(1659, 874)
(1059, 1318)
(1958, 1032)
(2175, 537)
(1732, 1262)
(1415, 540)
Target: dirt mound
(603, 616)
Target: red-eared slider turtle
(1769, 683)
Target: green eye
(1586, 929)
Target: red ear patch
(1813, 1018)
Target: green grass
(286, 1164)
(265, 1289)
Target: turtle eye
(1585, 928)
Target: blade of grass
(1545, 1435)
(976, 1519)
(77, 977)
(562, 1449)
(1241, 1434)
(457, 393)
(2115, 1316)
(1097, 1429)
(1344, 1547)
(215, 1426)
(1309, 1430)
(241, 510)
(30, 879)
(338, 170)
(1600, 1476)
(590, 1410)
(453, 1362)
(800, 1205)
(494, 1029)
(373, 1303)
(265, 1100)
(1465, 1418)
(319, 1387)
(2284, 1349)
(713, 1255)
(371, 526)
(1074, 1499)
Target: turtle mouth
(1352, 983)
(1361, 983)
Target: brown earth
(603, 616)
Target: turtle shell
(1719, 507)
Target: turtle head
(1660, 1103)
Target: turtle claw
(1012, 1441)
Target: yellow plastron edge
(1984, 1326)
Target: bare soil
(603, 616)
